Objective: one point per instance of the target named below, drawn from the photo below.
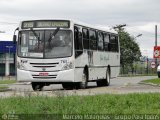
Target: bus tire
(37, 86)
(107, 80)
(158, 75)
(84, 83)
(67, 86)
(100, 83)
(104, 82)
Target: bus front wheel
(84, 83)
(37, 86)
(67, 86)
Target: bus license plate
(43, 74)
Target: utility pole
(119, 27)
(147, 65)
(7, 65)
(156, 42)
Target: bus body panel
(98, 64)
(47, 70)
(61, 76)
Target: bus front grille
(44, 77)
(44, 65)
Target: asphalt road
(120, 85)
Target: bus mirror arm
(15, 36)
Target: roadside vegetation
(154, 81)
(136, 75)
(129, 48)
(3, 88)
(7, 81)
(4, 84)
(98, 104)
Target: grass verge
(3, 88)
(7, 81)
(154, 81)
(98, 104)
(130, 75)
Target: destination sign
(28, 24)
(45, 24)
(53, 24)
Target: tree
(130, 51)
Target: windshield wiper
(35, 34)
(53, 34)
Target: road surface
(120, 85)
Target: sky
(140, 16)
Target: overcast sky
(141, 16)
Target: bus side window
(100, 41)
(114, 43)
(78, 42)
(93, 40)
(106, 42)
(85, 38)
(117, 44)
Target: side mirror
(14, 36)
(14, 39)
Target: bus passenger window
(100, 41)
(85, 39)
(93, 40)
(78, 42)
(117, 45)
(114, 43)
(106, 42)
(77, 39)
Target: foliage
(130, 51)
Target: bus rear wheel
(37, 86)
(104, 82)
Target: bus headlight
(68, 66)
(20, 66)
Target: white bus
(66, 52)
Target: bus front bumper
(55, 77)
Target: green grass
(98, 104)
(130, 75)
(154, 81)
(2, 88)
(7, 81)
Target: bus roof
(97, 27)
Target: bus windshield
(42, 44)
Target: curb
(152, 84)
(5, 89)
(25, 83)
(22, 83)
